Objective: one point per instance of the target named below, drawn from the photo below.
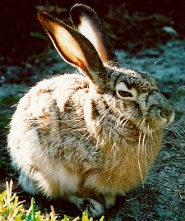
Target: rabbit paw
(95, 209)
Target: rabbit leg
(28, 184)
(95, 209)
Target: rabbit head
(131, 95)
(87, 138)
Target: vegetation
(12, 209)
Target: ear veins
(86, 20)
(75, 49)
(91, 33)
(60, 34)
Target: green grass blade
(33, 209)
(85, 216)
(65, 218)
(102, 218)
(8, 210)
(3, 195)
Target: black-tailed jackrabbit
(87, 138)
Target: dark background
(27, 56)
(131, 24)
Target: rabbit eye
(124, 93)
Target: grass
(11, 209)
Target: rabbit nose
(167, 113)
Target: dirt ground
(162, 197)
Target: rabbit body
(59, 142)
(69, 139)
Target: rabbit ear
(75, 48)
(87, 22)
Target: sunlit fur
(69, 140)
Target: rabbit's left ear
(76, 49)
(87, 22)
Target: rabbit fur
(87, 138)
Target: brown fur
(74, 136)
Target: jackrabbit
(87, 137)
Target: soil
(162, 196)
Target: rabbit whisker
(142, 125)
(179, 131)
(177, 91)
(157, 61)
(83, 137)
(90, 134)
(139, 164)
(139, 122)
(126, 121)
(104, 114)
(181, 127)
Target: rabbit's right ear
(87, 22)
(76, 49)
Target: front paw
(95, 209)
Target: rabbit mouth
(151, 127)
(144, 126)
(134, 129)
